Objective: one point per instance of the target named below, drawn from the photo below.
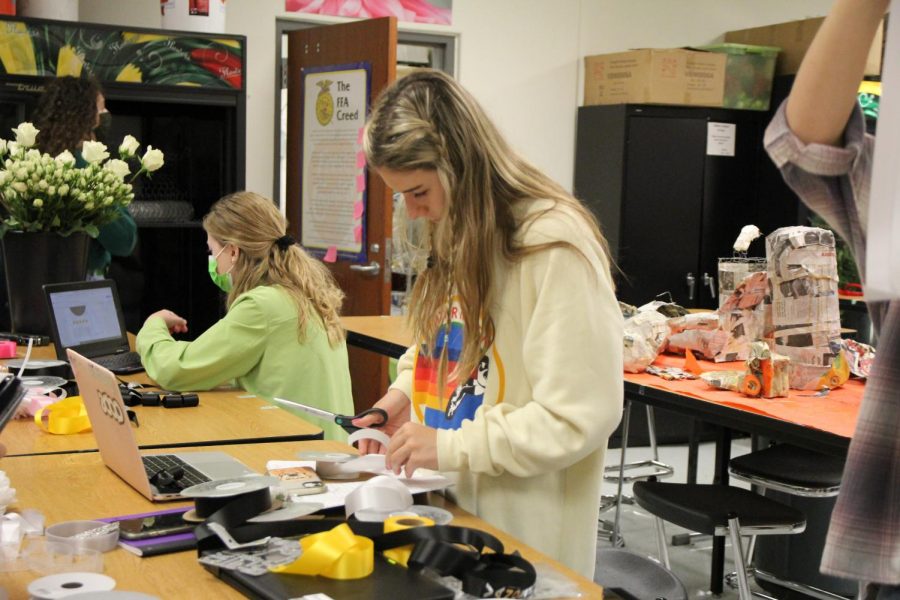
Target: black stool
(797, 472)
(717, 510)
(792, 470)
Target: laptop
(100, 391)
(86, 316)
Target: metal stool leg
(734, 531)
(617, 540)
(661, 542)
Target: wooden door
(367, 283)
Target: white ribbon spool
(377, 498)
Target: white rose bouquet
(39, 192)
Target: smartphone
(155, 526)
(11, 393)
(298, 481)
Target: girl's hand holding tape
(413, 446)
(396, 405)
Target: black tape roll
(64, 371)
(229, 511)
(233, 510)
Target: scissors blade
(312, 410)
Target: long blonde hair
(426, 120)
(255, 226)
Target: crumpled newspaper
(644, 338)
(859, 357)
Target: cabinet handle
(710, 282)
(691, 282)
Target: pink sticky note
(331, 254)
(357, 233)
(359, 136)
(358, 209)
(360, 159)
(360, 183)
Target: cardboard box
(794, 37)
(651, 76)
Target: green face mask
(222, 280)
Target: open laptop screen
(86, 316)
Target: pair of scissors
(344, 421)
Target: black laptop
(86, 316)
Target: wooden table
(224, 417)
(91, 491)
(382, 334)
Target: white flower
(128, 146)
(4, 177)
(2, 147)
(51, 191)
(37, 203)
(89, 206)
(65, 158)
(12, 147)
(21, 174)
(26, 133)
(34, 155)
(63, 190)
(20, 187)
(152, 159)
(94, 152)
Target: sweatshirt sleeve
(572, 356)
(405, 365)
(832, 180)
(227, 350)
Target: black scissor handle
(347, 422)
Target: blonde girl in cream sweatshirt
(515, 382)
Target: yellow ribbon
(400, 555)
(336, 554)
(64, 417)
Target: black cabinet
(668, 207)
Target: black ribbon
(473, 556)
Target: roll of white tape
(61, 585)
(377, 498)
(369, 434)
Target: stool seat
(631, 575)
(706, 508)
(791, 465)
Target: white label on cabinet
(720, 139)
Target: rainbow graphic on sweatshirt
(460, 399)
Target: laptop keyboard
(119, 361)
(155, 463)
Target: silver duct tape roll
(377, 498)
(61, 585)
(43, 381)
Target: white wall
(521, 58)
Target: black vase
(33, 259)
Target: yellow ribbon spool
(400, 555)
(64, 417)
(336, 554)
